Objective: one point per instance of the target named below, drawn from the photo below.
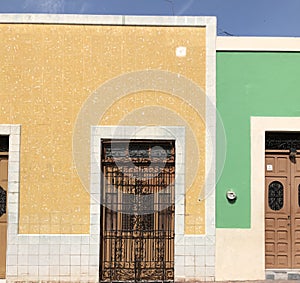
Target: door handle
(289, 217)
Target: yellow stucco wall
(46, 74)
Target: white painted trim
(14, 132)
(259, 125)
(210, 135)
(107, 19)
(287, 44)
(130, 133)
(224, 43)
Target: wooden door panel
(277, 231)
(277, 212)
(295, 213)
(270, 161)
(3, 239)
(283, 261)
(270, 260)
(270, 246)
(3, 218)
(282, 166)
(277, 165)
(296, 166)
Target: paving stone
(293, 276)
(270, 276)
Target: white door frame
(259, 126)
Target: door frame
(176, 133)
(14, 132)
(259, 126)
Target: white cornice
(107, 19)
(227, 43)
(223, 43)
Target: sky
(234, 17)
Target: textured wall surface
(256, 92)
(46, 74)
(249, 84)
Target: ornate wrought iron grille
(4, 143)
(2, 201)
(282, 140)
(137, 211)
(276, 195)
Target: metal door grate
(137, 211)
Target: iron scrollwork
(276, 196)
(4, 143)
(138, 212)
(282, 140)
(2, 201)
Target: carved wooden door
(282, 210)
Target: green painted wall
(249, 84)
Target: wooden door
(3, 212)
(282, 210)
(277, 212)
(295, 212)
